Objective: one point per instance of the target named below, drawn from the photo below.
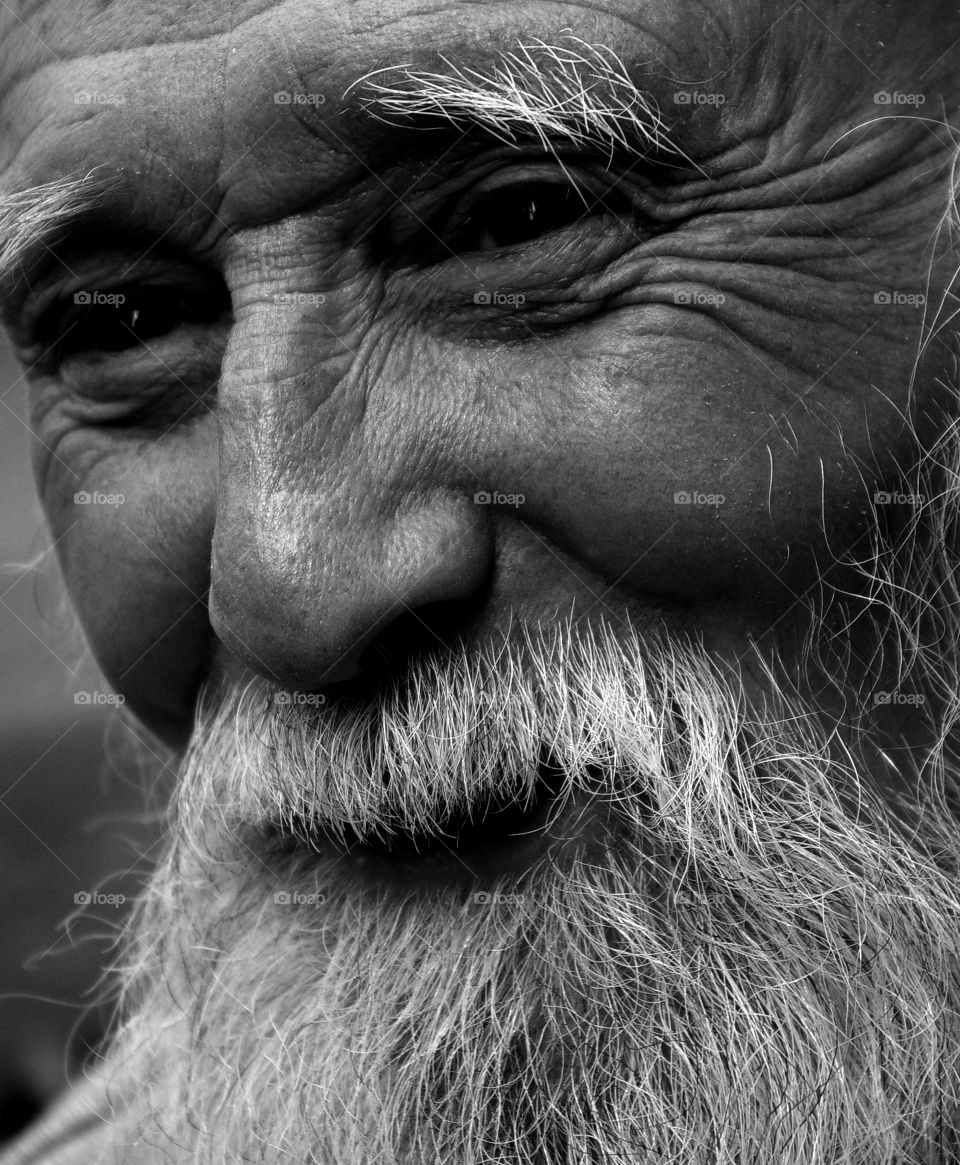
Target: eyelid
(590, 204)
(109, 270)
(421, 214)
(589, 186)
(161, 384)
(36, 327)
(424, 239)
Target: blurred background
(76, 835)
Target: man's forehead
(38, 33)
(110, 82)
(61, 29)
(76, 85)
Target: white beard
(745, 967)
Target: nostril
(413, 634)
(19, 1107)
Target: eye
(143, 355)
(532, 202)
(520, 213)
(102, 323)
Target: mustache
(652, 730)
(469, 731)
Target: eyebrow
(573, 93)
(32, 220)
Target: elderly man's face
(302, 402)
(450, 390)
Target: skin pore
(374, 291)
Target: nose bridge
(286, 404)
(323, 533)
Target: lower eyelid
(159, 407)
(175, 354)
(139, 372)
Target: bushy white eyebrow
(31, 219)
(575, 93)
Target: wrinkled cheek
(133, 540)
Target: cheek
(679, 473)
(133, 538)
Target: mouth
(495, 834)
(490, 820)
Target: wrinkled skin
(325, 489)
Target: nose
(300, 593)
(328, 531)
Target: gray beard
(756, 961)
